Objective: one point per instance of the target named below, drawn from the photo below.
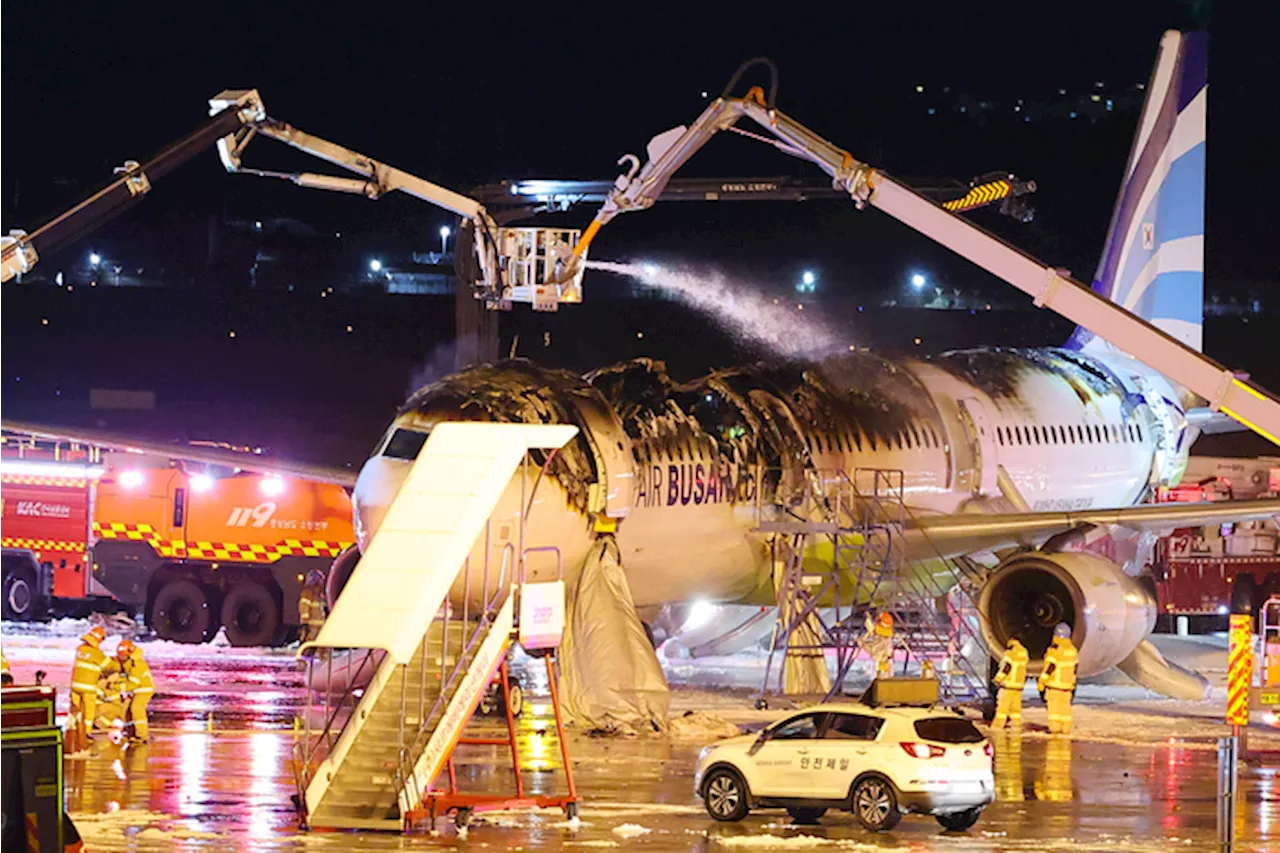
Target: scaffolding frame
(862, 517)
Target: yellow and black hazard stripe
(241, 552)
(980, 195)
(32, 480)
(41, 544)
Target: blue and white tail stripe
(1153, 260)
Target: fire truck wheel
(19, 595)
(250, 615)
(181, 612)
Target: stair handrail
(306, 752)
(407, 759)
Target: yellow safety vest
(311, 606)
(1013, 668)
(138, 675)
(1060, 663)
(89, 662)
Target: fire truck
(1213, 571)
(192, 546)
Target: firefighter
(1011, 678)
(878, 643)
(138, 686)
(84, 687)
(1057, 680)
(311, 606)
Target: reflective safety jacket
(1013, 667)
(135, 672)
(4, 664)
(1060, 662)
(88, 668)
(137, 675)
(311, 606)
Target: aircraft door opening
(980, 435)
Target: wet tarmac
(218, 776)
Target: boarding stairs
(373, 745)
(862, 517)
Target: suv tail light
(988, 750)
(922, 750)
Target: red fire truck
(1213, 571)
(192, 546)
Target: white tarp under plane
(1000, 448)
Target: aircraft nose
(376, 487)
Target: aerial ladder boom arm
(640, 187)
(513, 262)
(21, 250)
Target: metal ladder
(864, 517)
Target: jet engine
(1110, 613)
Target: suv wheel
(875, 805)
(803, 815)
(959, 821)
(725, 795)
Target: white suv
(877, 762)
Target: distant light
(1073, 113)
(1095, 98)
(58, 278)
(231, 334)
(919, 88)
(918, 280)
(917, 342)
(131, 479)
(1222, 610)
(95, 258)
(375, 265)
(1062, 91)
(933, 111)
(350, 328)
(271, 485)
(44, 321)
(257, 226)
(704, 93)
(639, 334)
(808, 277)
(201, 483)
(444, 232)
(651, 270)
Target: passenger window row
(914, 437)
(1070, 434)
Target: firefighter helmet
(884, 624)
(95, 635)
(1013, 641)
(315, 577)
(125, 649)
(1062, 631)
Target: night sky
(470, 93)
(467, 93)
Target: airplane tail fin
(1153, 259)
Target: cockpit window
(405, 444)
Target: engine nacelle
(1109, 612)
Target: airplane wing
(959, 534)
(256, 463)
